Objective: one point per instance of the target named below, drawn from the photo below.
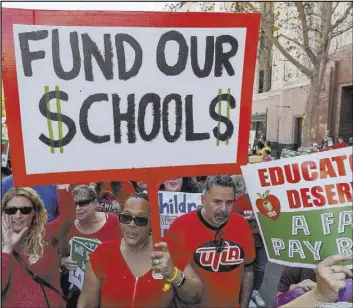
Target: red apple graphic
(3, 148)
(268, 205)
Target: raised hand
(9, 237)
(161, 261)
(330, 277)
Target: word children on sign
(175, 204)
(118, 90)
(308, 198)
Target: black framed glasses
(25, 210)
(140, 221)
(83, 203)
(219, 241)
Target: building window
(261, 81)
(298, 124)
(260, 129)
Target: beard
(220, 217)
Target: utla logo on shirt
(208, 258)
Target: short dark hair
(220, 180)
(137, 195)
(260, 145)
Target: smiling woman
(29, 244)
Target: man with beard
(219, 245)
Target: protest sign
(175, 204)
(80, 250)
(3, 112)
(112, 87)
(3, 115)
(4, 151)
(309, 200)
(107, 203)
(105, 96)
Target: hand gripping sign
(102, 96)
(304, 206)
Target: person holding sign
(219, 245)
(330, 279)
(126, 273)
(89, 226)
(29, 247)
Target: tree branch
(326, 23)
(302, 18)
(291, 40)
(344, 16)
(251, 6)
(267, 27)
(336, 5)
(333, 35)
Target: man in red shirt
(219, 245)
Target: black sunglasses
(83, 203)
(219, 241)
(139, 220)
(25, 210)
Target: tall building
(281, 89)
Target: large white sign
(98, 98)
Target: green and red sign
(304, 206)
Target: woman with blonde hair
(30, 258)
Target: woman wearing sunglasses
(128, 273)
(29, 247)
(89, 224)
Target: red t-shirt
(18, 289)
(120, 288)
(340, 145)
(110, 230)
(221, 272)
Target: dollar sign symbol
(44, 108)
(220, 113)
(49, 122)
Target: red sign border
(250, 21)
